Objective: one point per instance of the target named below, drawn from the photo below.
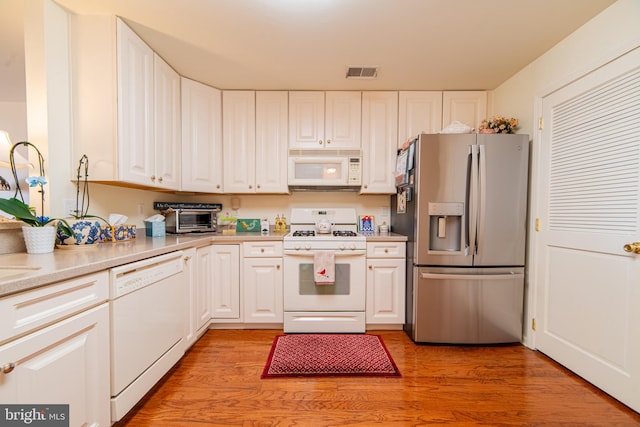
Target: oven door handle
(310, 253)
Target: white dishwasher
(147, 312)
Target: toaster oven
(191, 220)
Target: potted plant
(85, 229)
(38, 233)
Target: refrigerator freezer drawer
(468, 306)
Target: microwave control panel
(355, 171)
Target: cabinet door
(191, 276)
(468, 107)
(385, 291)
(65, 363)
(418, 111)
(342, 119)
(239, 141)
(271, 141)
(379, 147)
(203, 286)
(167, 126)
(263, 299)
(201, 137)
(225, 295)
(306, 120)
(136, 155)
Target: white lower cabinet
(225, 283)
(64, 363)
(198, 273)
(263, 282)
(386, 268)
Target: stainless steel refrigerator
(462, 200)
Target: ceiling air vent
(362, 72)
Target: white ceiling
(308, 44)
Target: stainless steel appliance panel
(468, 305)
(502, 213)
(441, 174)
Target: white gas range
(313, 307)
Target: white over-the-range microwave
(309, 169)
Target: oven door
(302, 294)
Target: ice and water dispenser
(445, 226)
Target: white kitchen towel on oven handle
(324, 268)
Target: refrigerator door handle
(444, 276)
(467, 201)
(482, 194)
(472, 217)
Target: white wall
(610, 34)
(13, 119)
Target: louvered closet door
(587, 286)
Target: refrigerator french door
(464, 208)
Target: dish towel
(324, 268)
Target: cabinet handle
(159, 179)
(320, 142)
(153, 178)
(258, 186)
(218, 186)
(386, 251)
(278, 267)
(262, 250)
(250, 187)
(370, 267)
(7, 368)
(187, 258)
(328, 141)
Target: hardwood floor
(218, 383)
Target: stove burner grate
(304, 233)
(344, 233)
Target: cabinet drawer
(33, 309)
(386, 250)
(261, 249)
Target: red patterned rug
(301, 355)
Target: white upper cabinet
(136, 144)
(418, 112)
(319, 120)
(201, 137)
(271, 141)
(167, 125)
(121, 100)
(255, 141)
(431, 111)
(468, 107)
(239, 140)
(379, 147)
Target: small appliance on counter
(189, 217)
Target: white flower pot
(39, 240)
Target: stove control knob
(307, 246)
(353, 247)
(297, 247)
(342, 247)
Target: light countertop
(63, 264)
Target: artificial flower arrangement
(498, 124)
